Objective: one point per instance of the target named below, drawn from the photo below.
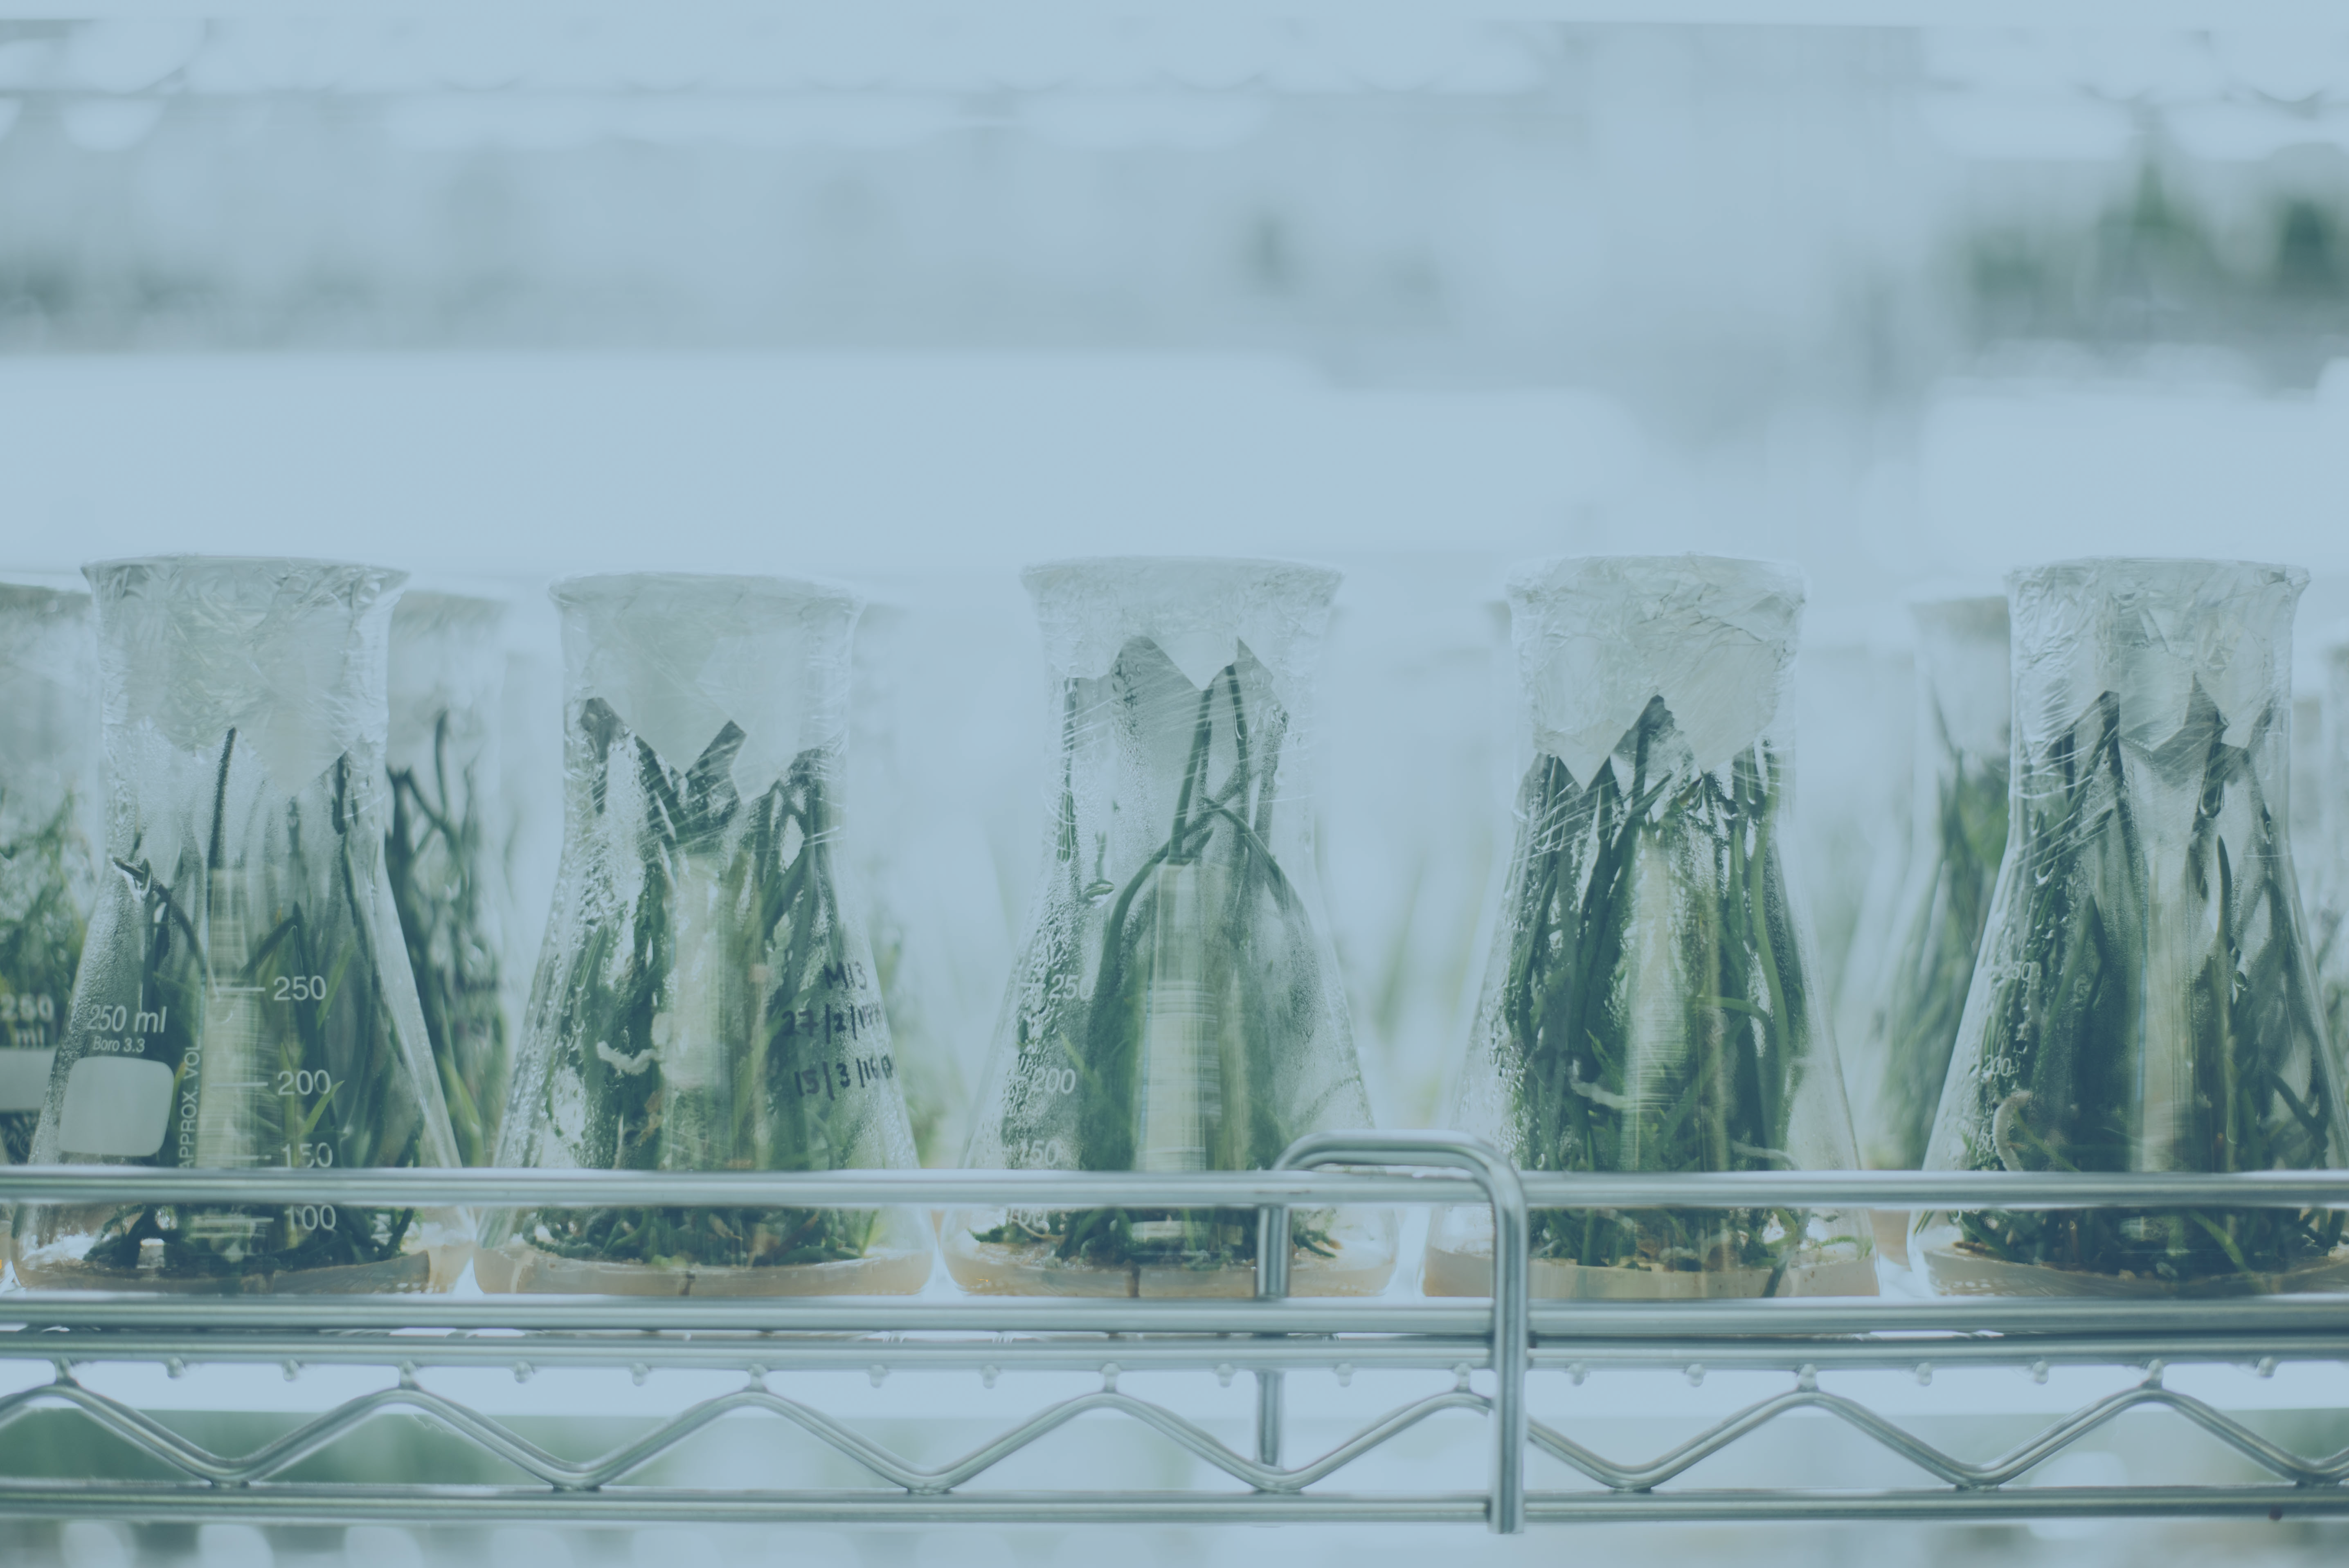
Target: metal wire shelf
(1489, 1349)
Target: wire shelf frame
(1488, 1347)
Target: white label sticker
(115, 1105)
(25, 1079)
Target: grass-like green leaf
(1178, 1038)
(436, 857)
(2147, 1007)
(1946, 906)
(45, 886)
(716, 1017)
(1653, 1011)
(256, 982)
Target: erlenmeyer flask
(1176, 1005)
(704, 1001)
(2327, 887)
(2143, 1000)
(48, 804)
(445, 854)
(1650, 1003)
(1847, 836)
(900, 858)
(1918, 992)
(245, 1001)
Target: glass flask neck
(1601, 641)
(289, 654)
(1174, 780)
(2159, 646)
(1962, 692)
(1198, 612)
(446, 675)
(734, 677)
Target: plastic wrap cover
(290, 654)
(2143, 999)
(1196, 610)
(245, 998)
(2150, 631)
(678, 656)
(1175, 1003)
(1650, 1001)
(706, 999)
(1598, 637)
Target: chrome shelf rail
(1488, 1352)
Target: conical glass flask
(1918, 992)
(899, 862)
(1176, 1005)
(1848, 837)
(704, 1000)
(445, 854)
(1650, 1004)
(2143, 1000)
(2327, 887)
(245, 1001)
(48, 805)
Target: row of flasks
(289, 950)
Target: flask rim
(182, 559)
(1235, 569)
(1551, 573)
(250, 577)
(2178, 568)
(601, 588)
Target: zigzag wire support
(1271, 1336)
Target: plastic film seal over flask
(49, 809)
(245, 1001)
(1918, 992)
(704, 1000)
(1649, 1004)
(2144, 1000)
(445, 850)
(1175, 1005)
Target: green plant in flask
(1648, 1005)
(244, 1001)
(1917, 994)
(444, 851)
(49, 789)
(2144, 1000)
(1175, 1006)
(704, 1000)
(2326, 887)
